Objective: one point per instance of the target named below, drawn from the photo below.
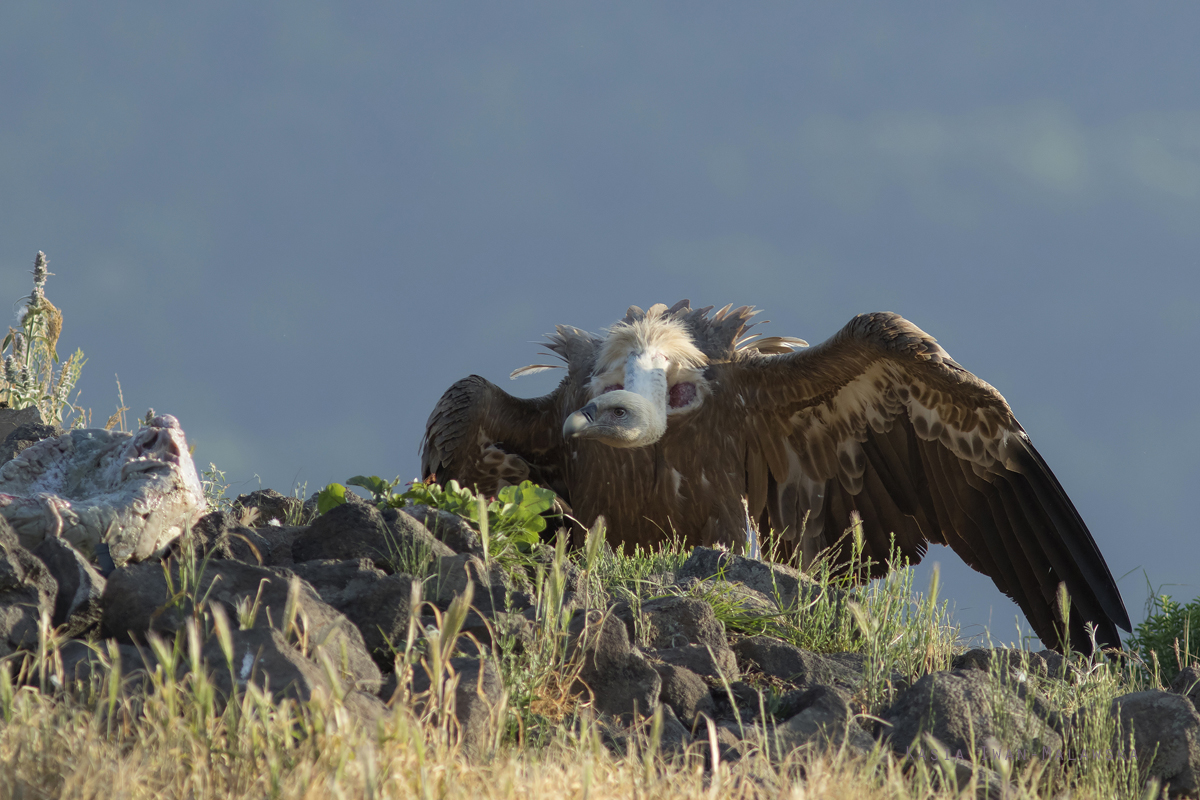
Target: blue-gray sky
(293, 225)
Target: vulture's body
(678, 424)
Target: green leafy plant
(1168, 639)
(29, 378)
(513, 517)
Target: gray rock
(824, 721)
(1187, 683)
(26, 589)
(377, 603)
(25, 436)
(1166, 736)
(357, 530)
(136, 599)
(685, 692)
(339, 581)
(970, 711)
(450, 529)
(730, 747)
(135, 491)
(715, 664)
(263, 656)
(77, 600)
(476, 697)
(673, 736)
(615, 675)
(786, 587)
(1016, 665)
(484, 634)
(674, 621)
(84, 661)
(13, 418)
(413, 546)
(280, 539)
(738, 701)
(347, 532)
(493, 590)
(381, 611)
(989, 784)
(220, 535)
(271, 505)
(620, 733)
(794, 665)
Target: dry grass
(59, 748)
(168, 735)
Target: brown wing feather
(485, 438)
(880, 420)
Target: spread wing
(486, 439)
(881, 421)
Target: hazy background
(293, 225)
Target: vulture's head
(618, 419)
(646, 371)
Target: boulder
(13, 418)
(280, 540)
(685, 692)
(450, 529)
(339, 582)
(615, 675)
(674, 621)
(135, 491)
(265, 657)
(26, 590)
(1187, 683)
(477, 695)
(77, 600)
(715, 664)
(220, 535)
(377, 603)
(83, 660)
(357, 530)
(136, 600)
(1166, 737)
(493, 589)
(1016, 665)
(786, 587)
(272, 507)
(971, 711)
(794, 665)
(381, 611)
(824, 720)
(25, 436)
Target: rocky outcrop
(364, 584)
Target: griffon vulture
(677, 421)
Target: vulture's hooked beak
(579, 421)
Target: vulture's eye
(618, 412)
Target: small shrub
(1169, 638)
(29, 378)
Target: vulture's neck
(646, 375)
